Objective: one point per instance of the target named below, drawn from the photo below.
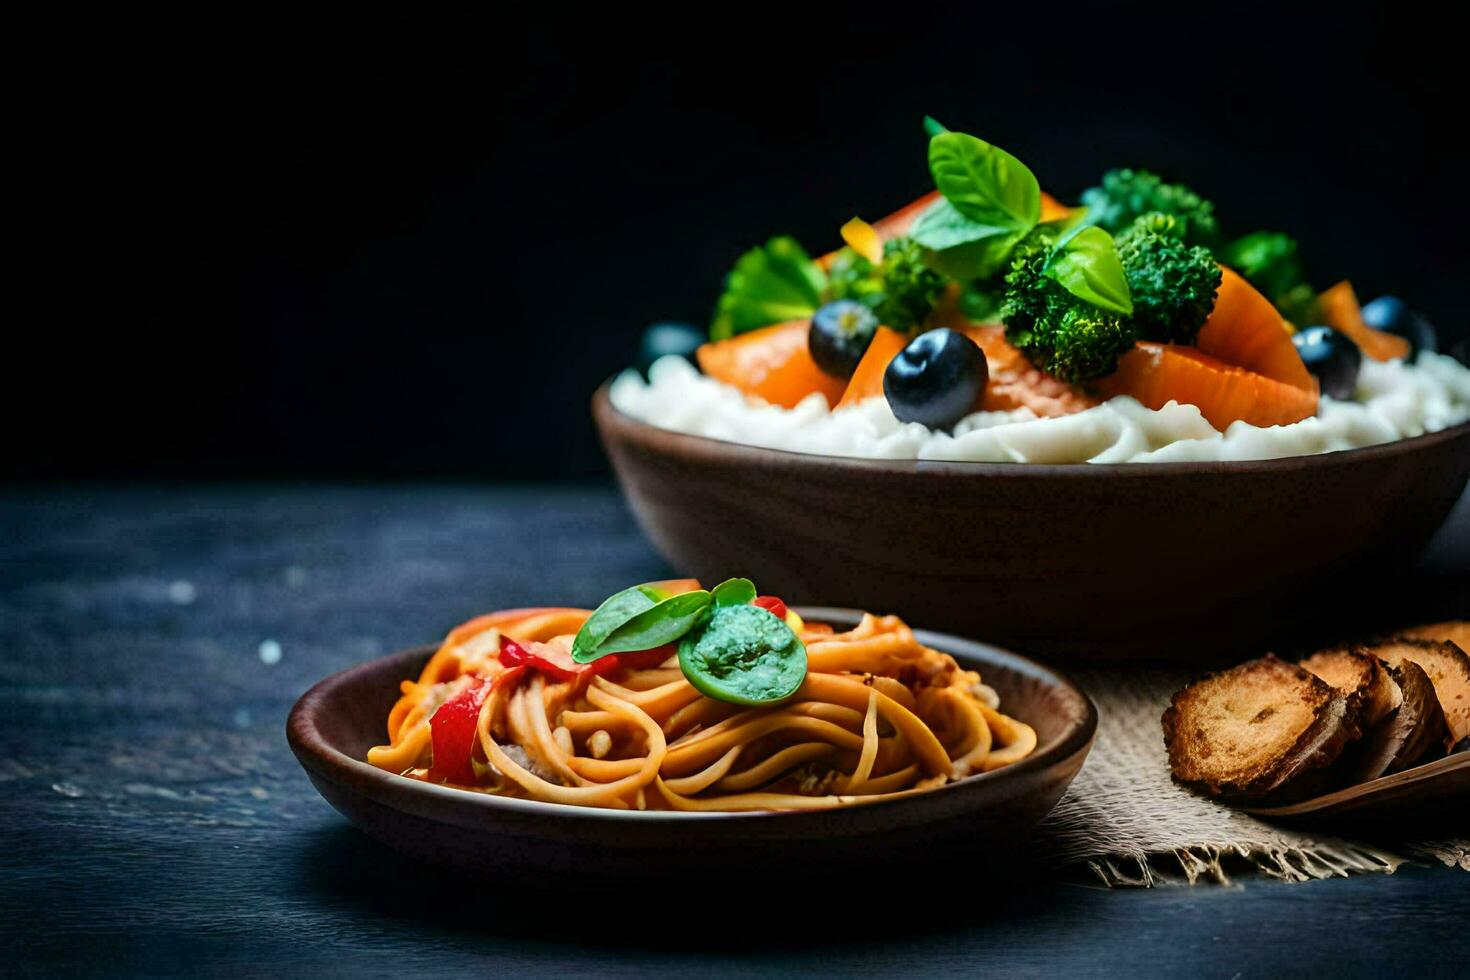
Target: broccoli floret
(1125, 195)
(1270, 261)
(901, 290)
(1173, 285)
(1063, 335)
(852, 277)
(910, 288)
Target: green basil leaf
(1069, 231)
(615, 610)
(734, 592)
(985, 183)
(959, 247)
(770, 284)
(664, 623)
(933, 126)
(1085, 262)
(743, 655)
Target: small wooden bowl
(333, 725)
(1179, 560)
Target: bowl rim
(611, 419)
(316, 754)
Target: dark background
(281, 244)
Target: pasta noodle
(878, 715)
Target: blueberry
(1392, 315)
(1332, 357)
(936, 379)
(840, 334)
(680, 339)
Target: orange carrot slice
(1341, 312)
(867, 380)
(1157, 374)
(771, 363)
(1245, 330)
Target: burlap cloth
(1124, 822)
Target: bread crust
(1360, 677)
(1263, 728)
(1456, 631)
(1414, 729)
(1448, 669)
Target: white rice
(1393, 400)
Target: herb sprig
(729, 648)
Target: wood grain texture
(1077, 561)
(155, 823)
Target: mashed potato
(1394, 400)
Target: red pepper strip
(772, 605)
(558, 665)
(452, 729)
(638, 659)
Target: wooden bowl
(333, 725)
(1176, 560)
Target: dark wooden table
(154, 822)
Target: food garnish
(1067, 303)
(1137, 292)
(1277, 732)
(1172, 284)
(769, 284)
(989, 202)
(1156, 374)
(741, 657)
(1389, 314)
(743, 654)
(773, 363)
(840, 334)
(749, 709)
(1340, 310)
(640, 618)
(1271, 262)
(936, 379)
(1124, 195)
(867, 380)
(1333, 360)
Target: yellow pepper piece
(796, 623)
(863, 239)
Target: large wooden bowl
(1177, 560)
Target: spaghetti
(877, 715)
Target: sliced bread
(1359, 677)
(1264, 728)
(1448, 669)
